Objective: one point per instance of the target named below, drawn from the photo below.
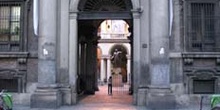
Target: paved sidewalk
(106, 106)
(120, 100)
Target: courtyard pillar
(129, 70)
(47, 94)
(103, 70)
(108, 68)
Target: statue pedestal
(117, 70)
(117, 80)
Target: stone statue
(118, 59)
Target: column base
(46, 98)
(160, 98)
(69, 96)
(66, 96)
(141, 96)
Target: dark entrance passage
(89, 86)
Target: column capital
(73, 15)
(137, 13)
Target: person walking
(110, 85)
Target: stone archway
(134, 12)
(89, 19)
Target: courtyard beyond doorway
(120, 95)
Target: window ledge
(201, 54)
(13, 54)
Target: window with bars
(202, 27)
(10, 26)
(11, 85)
(203, 86)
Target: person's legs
(110, 89)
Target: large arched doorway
(91, 14)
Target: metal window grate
(10, 26)
(202, 27)
(203, 86)
(11, 85)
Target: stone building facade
(174, 53)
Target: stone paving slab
(104, 107)
(120, 96)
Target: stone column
(73, 35)
(94, 66)
(102, 70)
(47, 94)
(90, 72)
(108, 68)
(159, 43)
(129, 70)
(159, 89)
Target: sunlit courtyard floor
(120, 95)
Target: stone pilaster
(63, 50)
(47, 94)
(73, 35)
(136, 56)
